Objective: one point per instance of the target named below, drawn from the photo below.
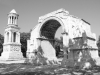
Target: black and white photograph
(49, 37)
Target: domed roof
(13, 11)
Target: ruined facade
(77, 37)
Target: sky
(30, 10)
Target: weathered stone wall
(48, 50)
(77, 36)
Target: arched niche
(14, 37)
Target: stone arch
(45, 41)
(51, 19)
(47, 30)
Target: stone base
(11, 61)
(11, 51)
(11, 56)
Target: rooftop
(13, 11)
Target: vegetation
(98, 44)
(23, 39)
(1, 43)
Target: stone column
(8, 19)
(11, 20)
(38, 42)
(15, 20)
(10, 36)
(65, 42)
(65, 39)
(18, 37)
(5, 37)
(65, 61)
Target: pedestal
(11, 51)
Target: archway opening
(48, 31)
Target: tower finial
(13, 11)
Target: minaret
(12, 45)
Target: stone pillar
(8, 19)
(11, 20)
(10, 36)
(39, 42)
(65, 42)
(18, 37)
(65, 39)
(65, 61)
(5, 37)
(15, 20)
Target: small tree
(1, 43)
(98, 44)
(23, 38)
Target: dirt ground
(29, 69)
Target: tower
(12, 45)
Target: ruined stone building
(78, 40)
